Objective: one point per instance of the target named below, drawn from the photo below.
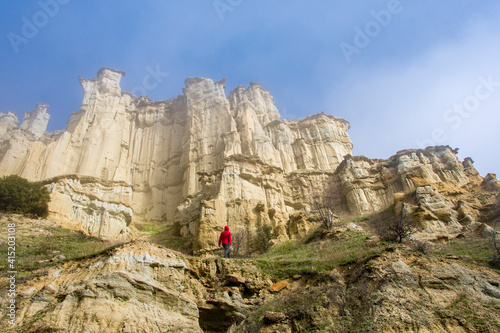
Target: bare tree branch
(239, 242)
(401, 228)
(324, 204)
(393, 228)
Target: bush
(422, 247)
(263, 237)
(392, 227)
(239, 239)
(18, 195)
(324, 204)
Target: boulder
(277, 287)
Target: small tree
(391, 227)
(239, 242)
(401, 228)
(18, 195)
(324, 204)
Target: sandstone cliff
(204, 160)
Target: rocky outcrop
(139, 287)
(299, 226)
(160, 149)
(203, 160)
(8, 121)
(99, 209)
(393, 292)
(491, 183)
(36, 121)
(369, 184)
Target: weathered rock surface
(8, 121)
(158, 149)
(142, 287)
(204, 160)
(35, 121)
(139, 287)
(394, 292)
(99, 209)
(136, 288)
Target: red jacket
(225, 237)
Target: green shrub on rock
(18, 195)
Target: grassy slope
(316, 261)
(41, 243)
(293, 257)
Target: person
(225, 240)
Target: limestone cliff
(159, 149)
(203, 160)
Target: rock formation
(138, 287)
(394, 292)
(35, 121)
(204, 160)
(141, 287)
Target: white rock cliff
(201, 161)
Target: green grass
(293, 257)
(162, 234)
(356, 219)
(152, 229)
(32, 252)
(38, 245)
(471, 249)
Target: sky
(404, 73)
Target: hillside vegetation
(18, 195)
(340, 279)
(40, 244)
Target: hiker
(225, 240)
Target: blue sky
(405, 74)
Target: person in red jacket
(225, 240)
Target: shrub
(400, 229)
(239, 240)
(422, 247)
(263, 237)
(392, 227)
(18, 195)
(324, 204)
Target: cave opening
(217, 319)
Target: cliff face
(203, 160)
